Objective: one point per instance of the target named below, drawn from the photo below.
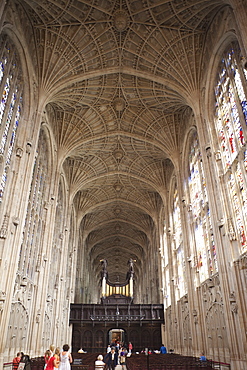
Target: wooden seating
(166, 362)
(86, 361)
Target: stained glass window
(10, 106)
(205, 250)
(231, 106)
(230, 122)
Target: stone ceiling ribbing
(116, 78)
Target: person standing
(130, 347)
(16, 361)
(52, 349)
(123, 354)
(111, 359)
(57, 357)
(46, 357)
(163, 349)
(52, 363)
(25, 362)
(203, 357)
(99, 363)
(65, 358)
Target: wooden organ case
(116, 318)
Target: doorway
(116, 335)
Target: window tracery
(231, 105)
(205, 249)
(10, 106)
(230, 123)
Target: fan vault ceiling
(116, 78)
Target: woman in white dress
(65, 358)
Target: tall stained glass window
(231, 105)
(205, 250)
(230, 123)
(10, 106)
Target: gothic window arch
(205, 260)
(11, 91)
(230, 124)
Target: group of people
(116, 355)
(57, 359)
(21, 362)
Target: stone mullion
(43, 279)
(56, 277)
(240, 267)
(69, 279)
(17, 195)
(188, 234)
(172, 339)
(153, 260)
(216, 212)
(40, 226)
(228, 285)
(237, 101)
(62, 294)
(244, 173)
(159, 259)
(215, 188)
(59, 295)
(29, 218)
(239, 198)
(71, 224)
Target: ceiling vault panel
(116, 80)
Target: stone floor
(120, 367)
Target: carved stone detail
(4, 228)
(121, 20)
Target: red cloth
(50, 363)
(15, 363)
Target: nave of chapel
(123, 138)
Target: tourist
(123, 354)
(65, 358)
(46, 357)
(203, 357)
(130, 347)
(25, 362)
(111, 359)
(16, 361)
(99, 363)
(163, 349)
(52, 362)
(57, 357)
